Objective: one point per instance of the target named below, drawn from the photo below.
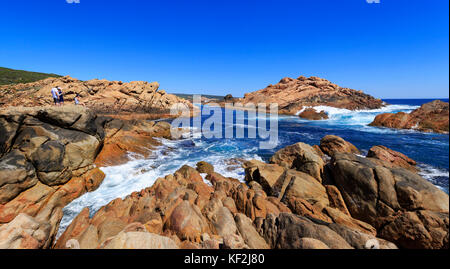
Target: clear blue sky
(395, 49)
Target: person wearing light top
(77, 100)
(55, 95)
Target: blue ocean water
(430, 150)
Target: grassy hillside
(12, 76)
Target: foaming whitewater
(344, 116)
(435, 175)
(429, 150)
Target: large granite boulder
(301, 157)
(332, 144)
(46, 161)
(390, 199)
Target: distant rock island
(294, 94)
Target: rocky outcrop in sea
(294, 94)
(430, 117)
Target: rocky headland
(294, 94)
(430, 117)
(307, 197)
(101, 96)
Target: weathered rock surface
(303, 194)
(391, 158)
(125, 136)
(293, 94)
(404, 208)
(288, 230)
(46, 161)
(430, 117)
(332, 144)
(24, 232)
(312, 114)
(301, 157)
(139, 240)
(100, 95)
(204, 167)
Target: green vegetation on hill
(12, 76)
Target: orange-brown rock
(229, 214)
(301, 157)
(391, 158)
(136, 136)
(293, 94)
(24, 232)
(312, 114)
(332, 144)
(430, 117)
(174, 207)
(204, 167)
(335, 199)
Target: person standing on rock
(55, 95)
(61, 97)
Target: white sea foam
(358, 119)
(433, 174)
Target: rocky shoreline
(306, 197)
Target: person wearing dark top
(61, 97)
